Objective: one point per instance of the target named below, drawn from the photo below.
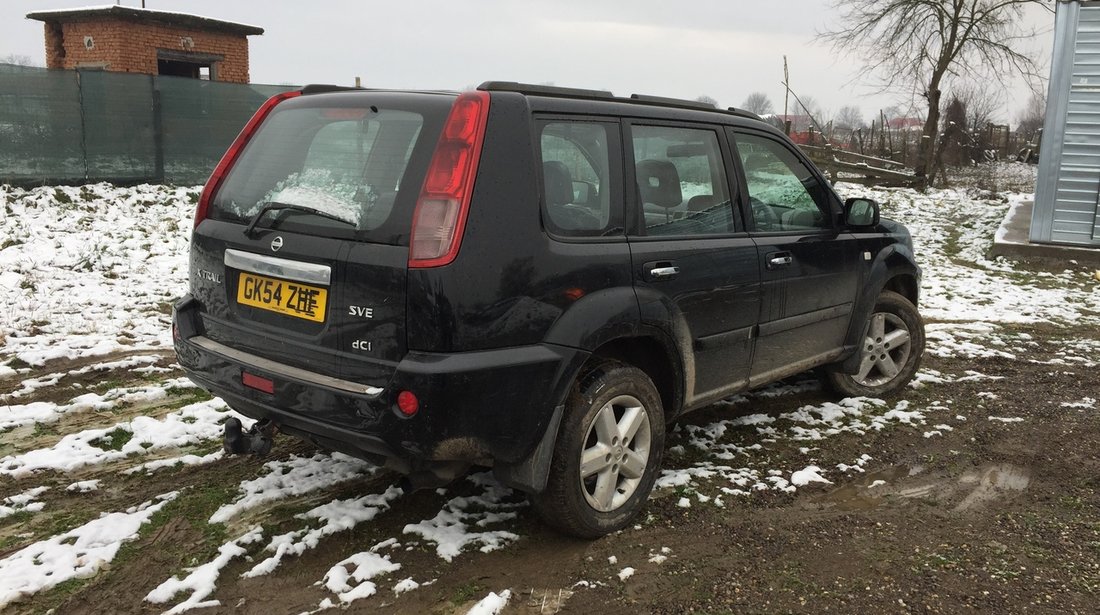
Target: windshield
(355, 157)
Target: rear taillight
(234, 150)
(440, 215)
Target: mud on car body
(534, 278)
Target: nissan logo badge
(276, 243)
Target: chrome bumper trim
(287, 371)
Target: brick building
(133, 40)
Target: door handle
(779, 259)
(663, 273)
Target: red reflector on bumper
(253, 381)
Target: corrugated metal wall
(1067, 207)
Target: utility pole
(786, 97)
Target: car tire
(608, 452)
(890, 350)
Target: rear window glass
(361, 165)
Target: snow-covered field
(88, 274)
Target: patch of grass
(59, 522)
(187, 400)
(934, 561)
(60, 196)
(16, 518)
(9, 242)
(17, 363)
(60, 593)
(194, 505)
(1071, 502)
(114, 440)
(44, 429)
(466, 592)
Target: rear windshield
(358, 158)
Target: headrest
(701, 202)
(659, 183)
(559, 183)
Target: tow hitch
(257, 440)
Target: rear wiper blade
(274, 206)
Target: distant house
(1067, 195)
(133, 40)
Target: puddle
(972, 490)
(991, 483)
(860, 495)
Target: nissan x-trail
(531, 278)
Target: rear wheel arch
(656, 359)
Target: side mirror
(861, 212)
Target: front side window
(576, 173)
(785, 194)
(681, 181)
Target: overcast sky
(725, 49)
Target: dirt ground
(992, 516)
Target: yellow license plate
(290, 298)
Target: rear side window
(350, 162)
(580, 195)
(681, 181)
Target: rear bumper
(492, 405)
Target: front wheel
(890, 350)
(607, 454)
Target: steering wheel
(764, 215)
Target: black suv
(534, 278)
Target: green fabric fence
(65, 127)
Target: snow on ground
(350, 579)
(953, 232)
(193, 424)
(15, 415)
(202, 580)
(335, 516)
(293, 477)
(492, 604)
(76, 554)
(92, 271)
(23, 502)
(451, 529)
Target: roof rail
(674, 102)
(560, 92)
(544, 90)
(744, 113)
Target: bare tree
(920, 43)
(18, 60)
(849, 118)
(982, 101)
(708, 100)
(1030, 121)
(758, 103)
